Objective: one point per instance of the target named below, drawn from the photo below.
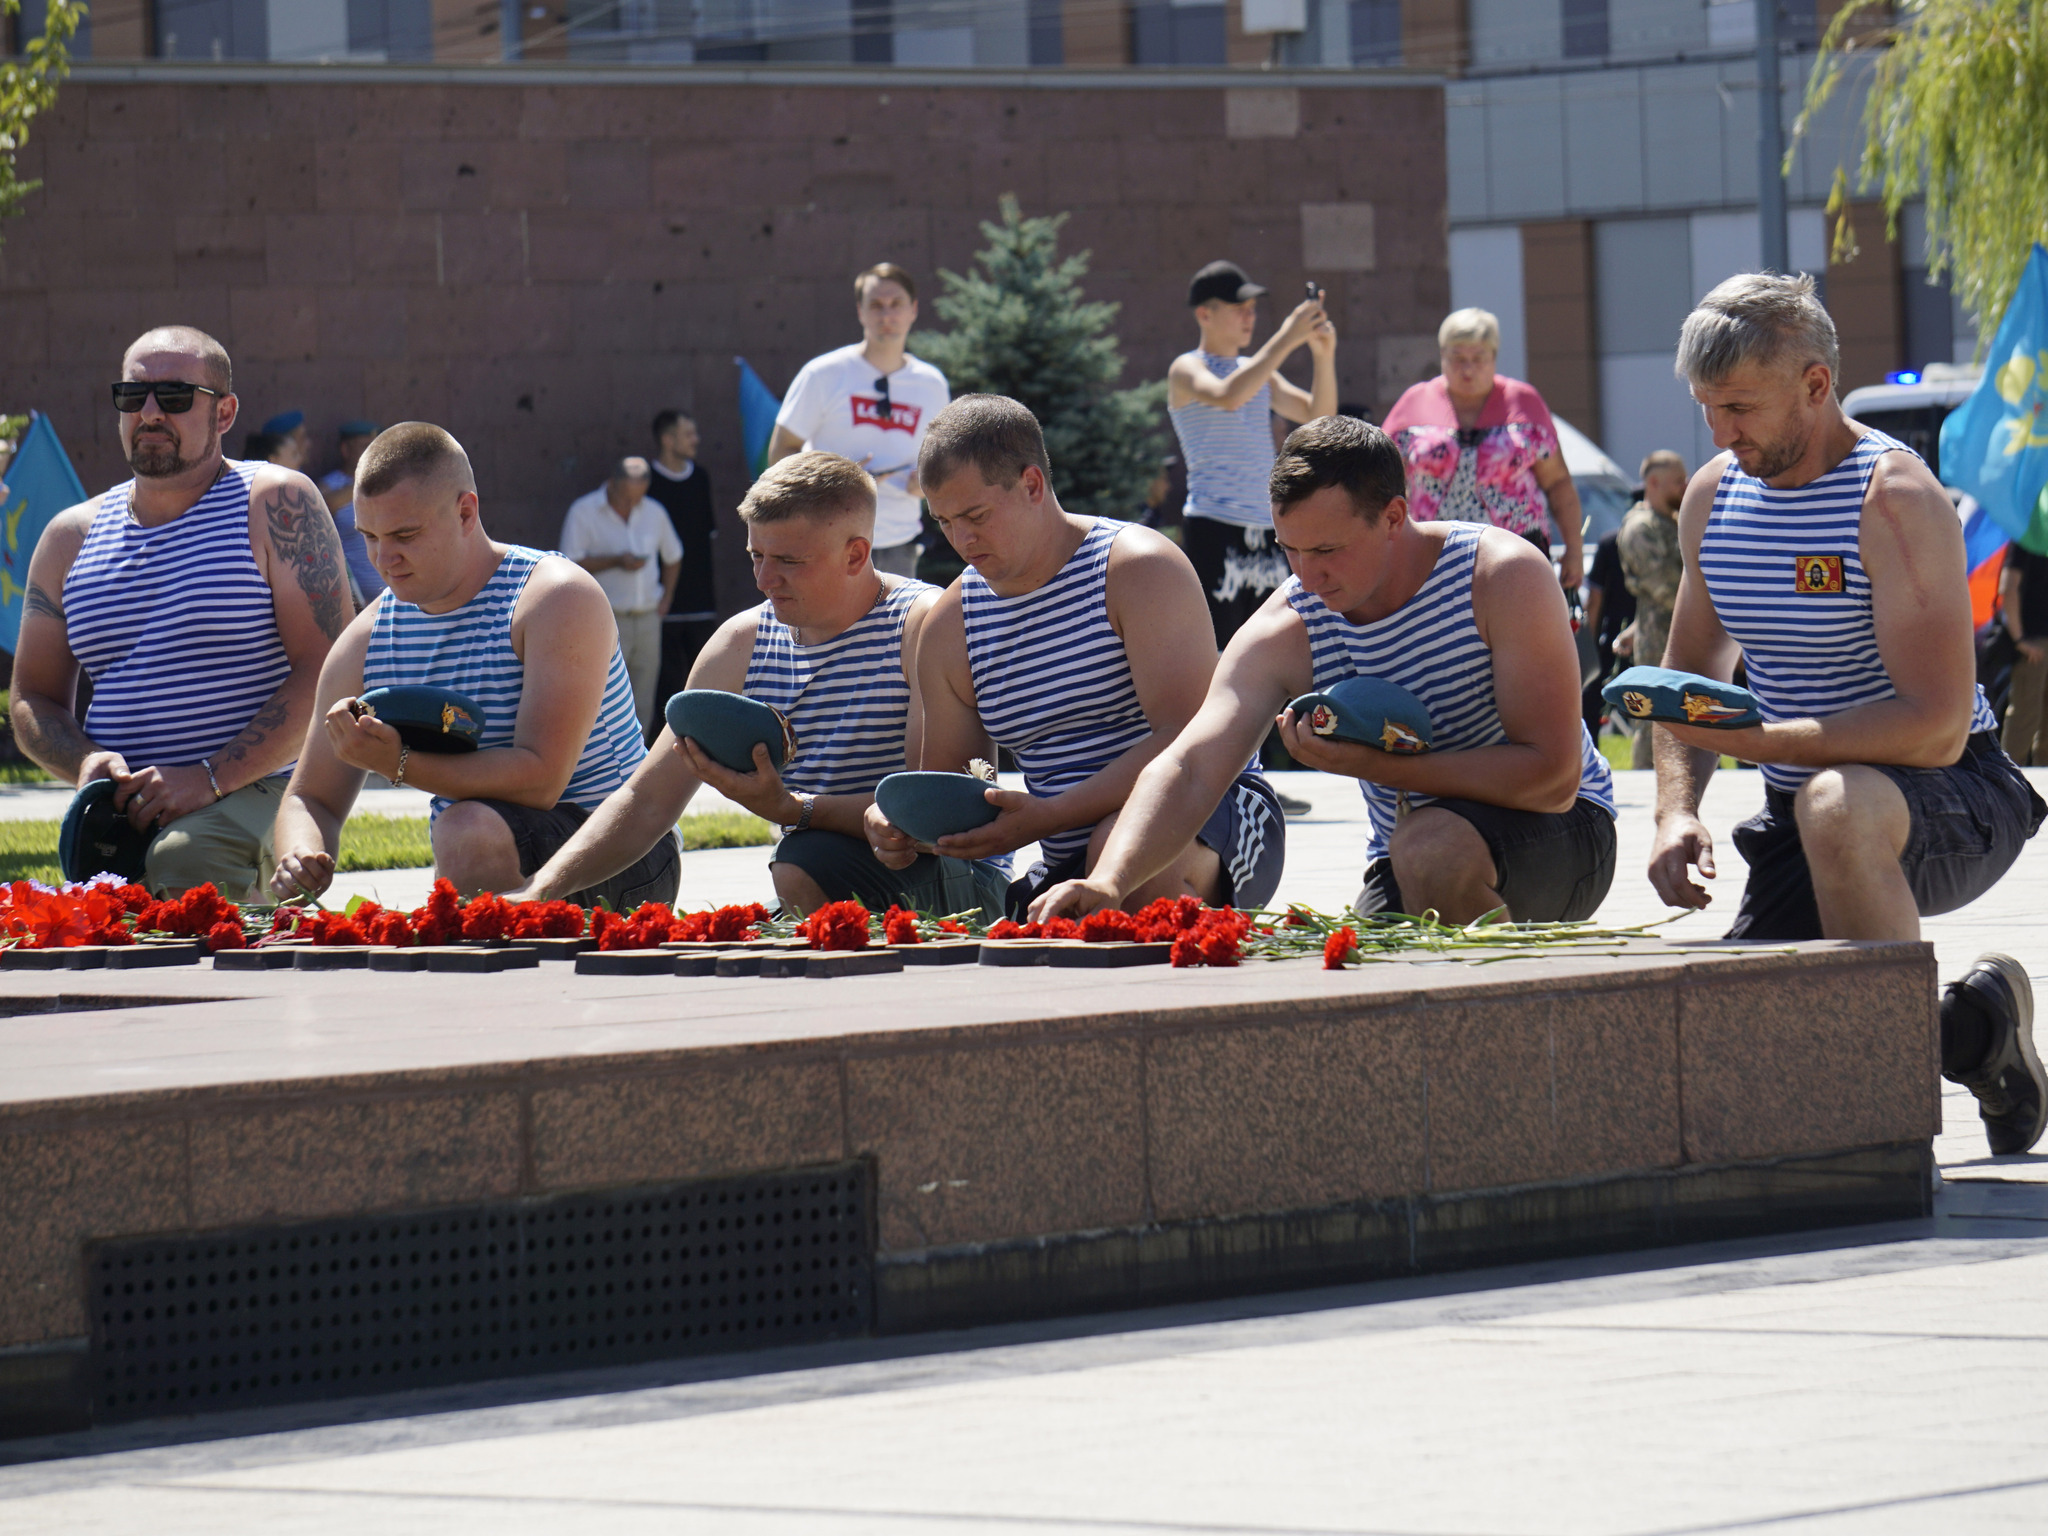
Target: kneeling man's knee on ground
(1434, 849)
(474, 848)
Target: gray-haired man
(1827, 557)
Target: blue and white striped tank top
(846, 697)
(1051, 680)
(1431, 646)
(1785, 570)
(470, 650)
(175, 626)
(1229, 454)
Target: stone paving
(1868, 1380)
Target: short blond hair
(1464, 325)
(817, 485)
(1662, 458)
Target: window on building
(1047, 39)
(392, 29)
(1585, 29)
(1376, 32)
(873, 37)
(212, 29)
(1177, 34)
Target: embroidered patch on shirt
(1818, 574)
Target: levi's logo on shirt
(1817, 574)
(902, 417)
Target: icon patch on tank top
(1817, 575)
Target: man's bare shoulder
(1899, 475)
(1139, 549)
(559, 586)
(67, 530)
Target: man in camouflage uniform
(1653, 565)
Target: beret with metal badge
(427, 719)
(727, 725)
(96, 839)
(1682, 698)
(1370, 711)
(928, 806)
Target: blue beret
(1369, 711)
(284, 423)
(1682, 698)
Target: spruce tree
(1021, 327)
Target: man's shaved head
(413, 450)
(212, 356)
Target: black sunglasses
(172, 397)
(882, 405)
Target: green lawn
(28, 849)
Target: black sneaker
(2012, 1093)
(1291, 806)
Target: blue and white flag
(40, 484)
(1995, 444)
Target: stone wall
(541, 266)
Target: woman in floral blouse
(1481, 448)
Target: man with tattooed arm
(201, 598)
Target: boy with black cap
(1222, 404)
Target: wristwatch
(809, 803)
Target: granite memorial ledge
(1036, 1142)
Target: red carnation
(1059, 928)
(947, 925)
(226, 936)
(837, 925)
(1337, 948)
(1109, 925)
(899, 926)
(730, 925)
(485, 917)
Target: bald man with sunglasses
(201, 598)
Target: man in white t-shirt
(624, 538)
(870, 403)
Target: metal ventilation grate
(365, 1304)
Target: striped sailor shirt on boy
(845, 698)
(1430, 646)
(470, 651)
(1051, 680)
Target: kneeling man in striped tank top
(201, 598)
(1511, 807)
(1083, 645)
(1828, 558)
(829, 649)
(528, 636)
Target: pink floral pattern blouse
(1485, 474)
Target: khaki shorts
(227, 843)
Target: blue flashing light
(1903, 376)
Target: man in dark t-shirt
(2023, 610)
(1610, 608)
(683, 488)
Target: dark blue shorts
(1247, 830)
(846, 869)
(1549, 867)
(1970, 821)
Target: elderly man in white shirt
(624, 538)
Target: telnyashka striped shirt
(845, 698)
(1431, 646)
(1229, 454)
(1785, 571)
(175, 626)
(470, 651)
(1051, 680)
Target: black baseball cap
(1223, 280)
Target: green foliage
(29, 87)
(28, 849)
(1957, 114)
(725, 829)
(1021, 328)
